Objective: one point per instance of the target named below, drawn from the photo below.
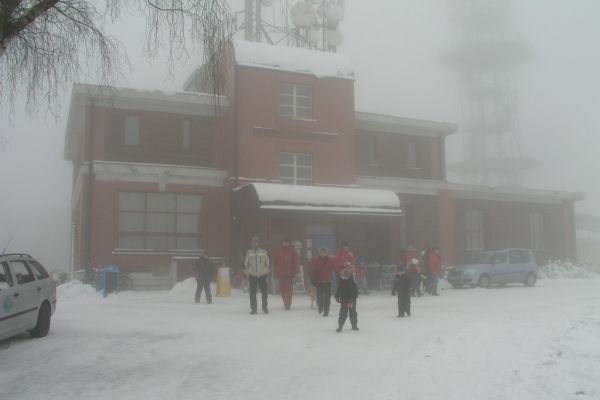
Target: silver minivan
(496, 268)
(27, 296)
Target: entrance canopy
(327, 199)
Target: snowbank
(76, 290)
(185, 287)
(567, 270)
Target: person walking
(435, 268)
(287, 266)
(424, 267)
(346, 295)
(402, 288)
(256, 267)
(321, 270)
(205, 270)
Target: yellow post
(223, 281)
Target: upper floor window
(295, 168)
(132, 130)
(536, 229)
(373, 150)
(475, 232)
(186, 134)
(295, 101)
(412, 155)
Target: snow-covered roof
(371, 122)
(326, 198)
(293, 59)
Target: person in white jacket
(256, 268)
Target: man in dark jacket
(205, 270)
(346, 295)
(402, 287)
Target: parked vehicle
(27, 296)
(496, 268)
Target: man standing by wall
(256, 267)
(287, 266)
(205, 270)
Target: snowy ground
(506, 343)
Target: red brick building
(159, 177)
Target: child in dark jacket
(402, 287)
(346, 295)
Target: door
(9, 305)
(25, 292)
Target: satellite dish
(334, 38)
(303, 14)
(315, 35)
(334, 13)
(267, 3)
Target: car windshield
(491, 258)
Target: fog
(395, 46)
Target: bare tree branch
(46, 44)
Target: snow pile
(185, 287)
(75, 290)
(567, 269)
(293, 59)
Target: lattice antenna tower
(312, 24)
(486, 58)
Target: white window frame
(131, 136)
(292, 109)
(536, 229)
(294, 179)
(475, 233)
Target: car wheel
(530, 279)
(43, 322)
(485, 281)
(457, 286)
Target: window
(132, 130)
(412, 155)
(186, 135)
(474, 222)
(5, 276)
(21, 272)
(159, 221)
(40, 272)
(536, 228)
(295, 168)
(526, 256)
(515, 257)
(373, 150)
(295, 101)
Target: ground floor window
(159, 221)
(475, 232)
(536, 227)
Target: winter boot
(354, 327)
(339, 329)
(265, 310)
(287, 307)
(253, 312)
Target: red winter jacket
(287, 262)
(435, 264)
(342, 258)
(321, 268)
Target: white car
(27, 296)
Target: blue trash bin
(108, 280)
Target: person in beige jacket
(256, 268)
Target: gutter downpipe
(90, 189)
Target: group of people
(342, 272)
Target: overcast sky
(395, 46)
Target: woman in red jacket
(435, 267)
(287, 266)
(321, 270)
